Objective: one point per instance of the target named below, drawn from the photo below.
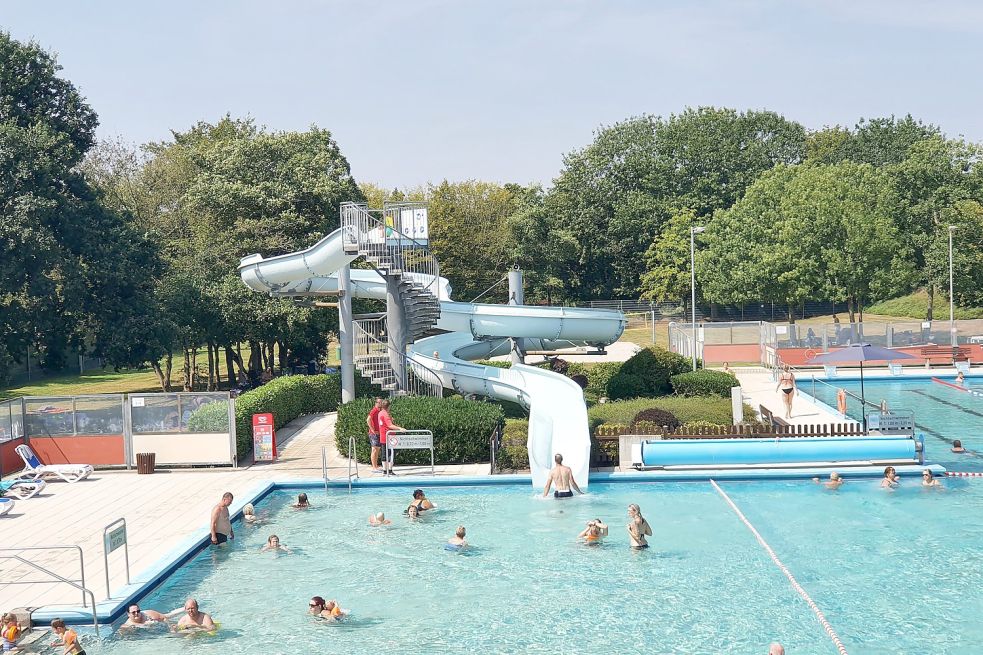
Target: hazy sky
(422, 90)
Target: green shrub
(461, 428)
(715, 410)
(513, 455)
(657, 416)
(496, 364)
(213, 417)
(626, 385)
(597, 374)
(286, 398)
(704, 382)
(654, 366)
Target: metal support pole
(516, 297)
(952, 324)
(346, 334)
(693, 231)
(396, 331)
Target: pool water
(888, 568)
(942, 413)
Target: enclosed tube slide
(557, 412)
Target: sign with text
(891, 423)
(400, 441)
(264, 438)
(116, 538)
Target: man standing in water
(563, 477)
(221, 526)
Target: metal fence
(181, 428)
(731, 333)
(11, 419)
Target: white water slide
(557, 412)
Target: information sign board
(264, 438)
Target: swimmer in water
(302, 502)
(957, 446)
(421, 501)
(458, 542)
(891, 480)
(325, 609)
(834, 482)
(249, 515)
(928, 480)
(195, 620)
(638, 528)
(273, 543)
(137, 618)
(413, 512)
(593, 532)
(379, 519)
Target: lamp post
(952, 324)
(693, 231)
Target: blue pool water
(942, 413)
(889, 569)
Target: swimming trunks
(563, 494)
(642, 547)
(220, 538)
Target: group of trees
(130, 253)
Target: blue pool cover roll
(699, 452)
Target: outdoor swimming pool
(941, 412)
(887, 569)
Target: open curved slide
(557, 412)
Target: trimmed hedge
(598, 375)
(514, 455)
(704, 382)
(213, 417)
(712, 409)
(656, 416)
(286, 398)
(461, 428)
(647, 374)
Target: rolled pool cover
(730, 452)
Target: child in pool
(273, 543)
(457, 542)
(67, 638)
(9, 632)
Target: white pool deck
(171, 508)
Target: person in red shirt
(386, 426)
(373, 422)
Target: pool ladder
(352, 460)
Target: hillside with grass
(915, 305)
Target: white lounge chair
(35, 470)
(962, 367)
(6, 504)
(829, 370)
(22, 489)
(896, 369)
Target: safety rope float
(788, 574)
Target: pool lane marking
(963, 474)
(950, 404)
(969, 390)
(788, 574)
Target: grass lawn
(643, 336)
(97, 381)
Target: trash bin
(145, 463)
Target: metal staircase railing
(392, 252)
(372, 357)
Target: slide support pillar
(516, 297)
(346, 334)
(397, 331)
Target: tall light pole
(952, 323)
(693, 231)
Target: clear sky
(423, 90)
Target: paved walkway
(161, 511)
(758, 387)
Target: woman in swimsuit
(890, 478)
(421, 501)
(638, 528)
(786, 383)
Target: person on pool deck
(142, 618)
(563, 477)
(834, 482)
(302, 502)
(194, 619)
(379, 519)
(891, 479)
(786, 383)
(638, 528)
(421, 502)
(458, 542)
(221, 526)
(273, 543)
(68, 638)
(326, 609)
(928, 480)
(372, 420)
(957, 446)
(593, 532)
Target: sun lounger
(35, 470)
(830, 371)
(6, 504)
(22, 489)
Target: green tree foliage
(70, 267)
(613, 198)
(667, 261)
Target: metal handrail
(352, 457)
(81, 562)
(324, 466)
(368, 342)
(58, 578)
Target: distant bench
(768, 416)
(953, 353)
